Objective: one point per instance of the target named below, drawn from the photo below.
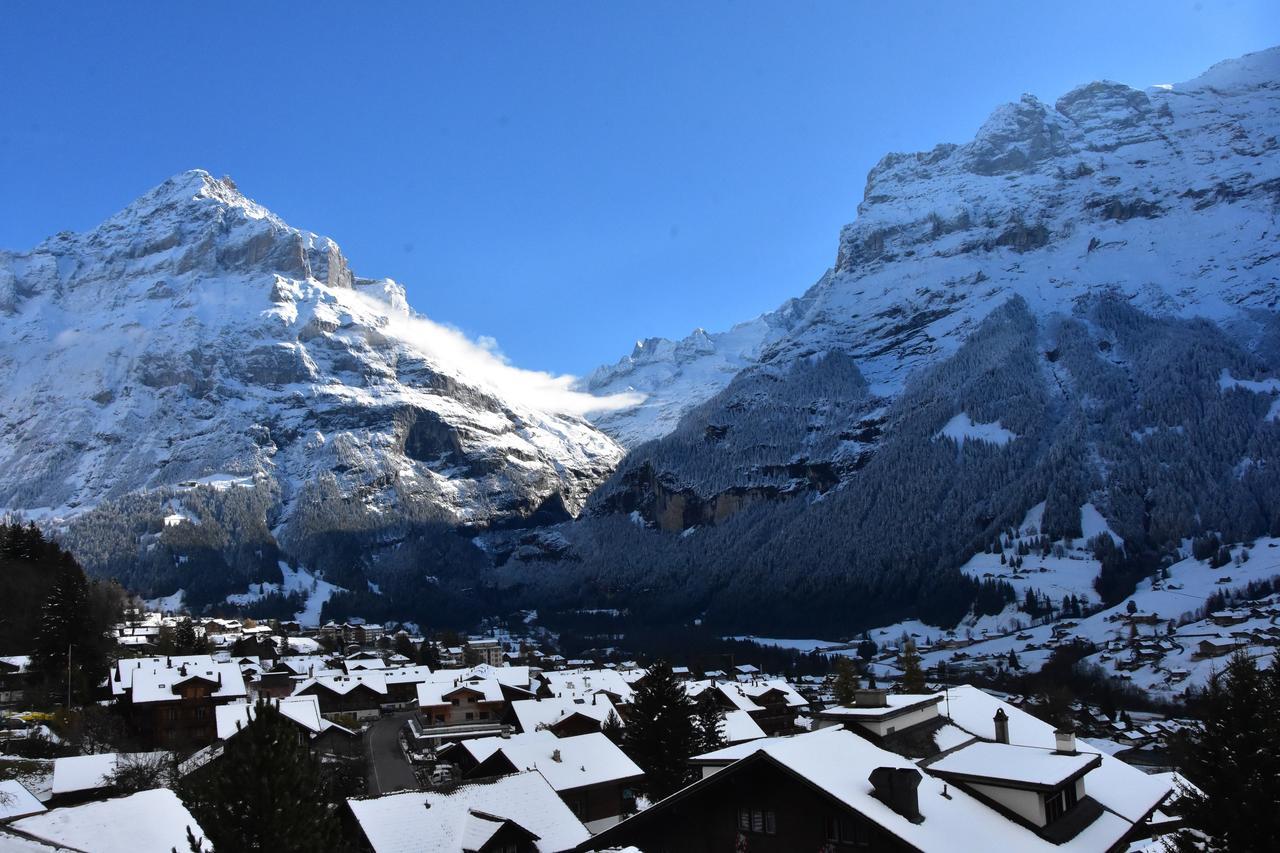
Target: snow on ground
(962, 428)
(1227, 382)
(1069, 570)
(167, 603)
(1189, 585)
(316, 590)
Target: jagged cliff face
(195, 341)
(1165, 198)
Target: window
(1059, 802)
(470, 716)
(847, 831)
(760, 821)
(484, 715)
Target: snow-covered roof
(895, 703)
(735, 752)
(125, 668)
(304, 664)
(16, 801)
(432, 693)
(375, 680)
(586, 682)
(532, 713)
(89, 772)
(571, 762)
(840, 763)
(480, 748)
(145, 822)
(739, 727)
(743, 695)
(407, 674)
(303, 710)
(1118, 786)
(431, 822)
(1014, 764)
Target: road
(389, 770)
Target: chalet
(520, 813)
(321, 735)
(16, 677)
(564, 716)
(360, 694)
(1214, 647)
(880, 713)
(772, 703)
(591, 775)
(170, 701)
(402, 684)
(825, 790)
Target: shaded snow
(961, 428)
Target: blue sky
(563, 177)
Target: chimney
(870, 699)
(896, 787)
(1066, 739)
(1002, 726)
(555, 755)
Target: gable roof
(1118, 786)
(837, 764)
(443, 822)
(303, 710)
(570, 762)
(533, 713)
(374, 680)
(145, 822)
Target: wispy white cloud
(482, 363)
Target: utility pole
(68, 676)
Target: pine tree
(1232, 759)
(266, 792)
(846, 682)
(912, 674)
(184, 638)
(612, 727)
(67, 652)
(708, 723)
(659, 734)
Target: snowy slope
(194, 341)
(1165, 195)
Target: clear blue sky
(563, 177)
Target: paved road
(389, 770)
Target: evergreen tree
(867, 647)
(265, 793)
(612, 727)
(659, 733)
(846, 682)
(68, 645)
(912, 674)
(708, 723)
(1013, 660)
(1232, 759)
(185, 640)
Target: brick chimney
(1002, 726)
(896, 787)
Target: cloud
(481, 362)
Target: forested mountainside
(1076, 307)
(195, 392)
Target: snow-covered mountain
(194, 342)
(1075, 310)
(1164, 195)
